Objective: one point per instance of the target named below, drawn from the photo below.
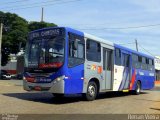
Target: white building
(157, 62)
(157, 67)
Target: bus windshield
(46, 52)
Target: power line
(44, 5)
(9, 7)
(92, 24)
(130, 27)
(18, 1)
(140, 47)
(146, 50)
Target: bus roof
(97, 39)
(133, 51)
(86, 35)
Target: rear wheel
(91, 91)
(137, 91)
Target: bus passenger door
(107, 67)
(126, 72)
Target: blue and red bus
(62, 61)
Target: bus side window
(139, 62)
(144, 63)
(117, 56)
(139, 65)
(126, 60)
(147, 62)
(151, 65)
(76, 51)
(153, 62)
(135, 60)
(93, 51)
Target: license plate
(37, 88)
(43, 80)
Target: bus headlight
(59, 78)
(24, 78)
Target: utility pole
(136, 44)
(42, 15)
(1, 29)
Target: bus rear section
(133, 71)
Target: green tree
(15, 33)
(38, 25)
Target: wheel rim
(138, 88)
(91, 90)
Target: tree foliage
(15, 32)
(38, 25)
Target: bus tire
(91, 91)
(57, 95)
(137, 90)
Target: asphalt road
(14, 100)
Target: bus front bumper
(53, 87)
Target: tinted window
(143, 60)
(126, 60)
(139, 59)
(107, 59)
(134, 57)
(117, 56)
(136, 61)
(147, 60)
(80, 51)
(150, 61)
(144, 63)
(151, 65)
(93, 51)
(76, 50)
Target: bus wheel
(91, 91)
(57, 95)
(138, 88)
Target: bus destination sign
(45, 33)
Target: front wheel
(91, 91)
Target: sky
(119, 21)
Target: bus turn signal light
(30, 79)
(99, 69)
